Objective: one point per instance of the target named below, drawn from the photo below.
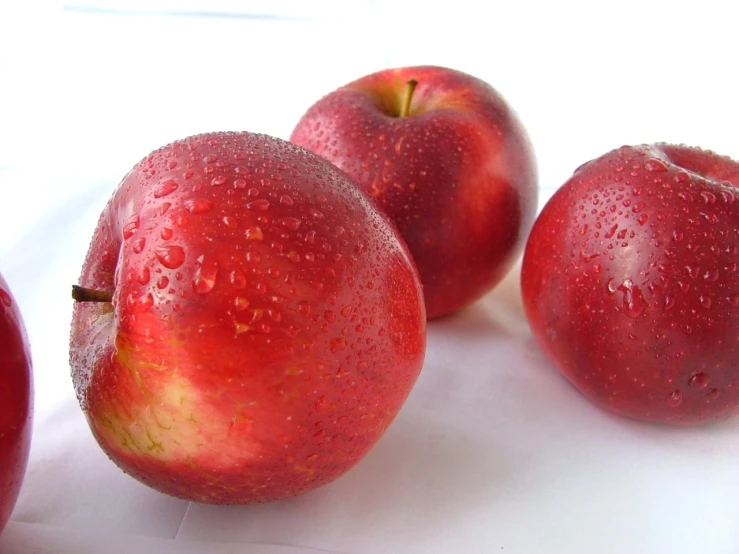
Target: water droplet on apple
(286, 200)
(708, 197)
(218, 180)
(131, 226)
(259, 205)
(241, 303)
(166, 233)
(678, 235)
(705, 301)
(655, 165)
(253, 256)
(733, 300)
(711, 275)
(167, 187)
(633, 299)
(291, 223)
(141, 304)
(254, 233)
(699, 380)
(171, 256)
(237, 279)
(692, 270)
(138, 245)
(162, 282)
(144, 276)
(675, 398)
(713, 394)
(198, 205)
(205, 274)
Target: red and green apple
(247, 323)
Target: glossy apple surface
(631, 287)
(16, 402)
(452, 167)
(257, 323)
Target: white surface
(493, 452)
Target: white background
(493, 451)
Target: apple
(16, 402)
(246, 325)
(630, 283)
(444, 156)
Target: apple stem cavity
(82, 294)
(405, 108)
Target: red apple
(16, 402)
(631, 287)
(247, 324)
(442, 155)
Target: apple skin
(266, 323)
(16, 402)
(457, 176)
(630, 283)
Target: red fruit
(631, 287)
(16, 402)
(257, 325)
(445, 157)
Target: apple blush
(447, 160)
(247, 324)
(630, 283)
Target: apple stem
(405, 108)
(82, 294)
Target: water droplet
(315, 213)
(138, 245)
(259, 205)
(733, 300)
(293, 256)
(310, 237)
(682, 177)
(167, 187)
(675, 398)
(237, 279)
(198, 205)
(584, 229)
(655, 165)
(239, 184)
(286, 200)
(254, 233)
(713, 394)
(162, 282)
(708, 197)
(639, 206)
(711, 275)
(253, 256)
(633, 299)
(692, 270)
(219, 180)
(170, 257)
(166, 233)
(291, 223)
(610, 232)
(678, 235)
(705, 301)
(642, 219)
(141, 304)
(304, 307)
(727, 196)
(699, 380)
(209, 159)
(131, 226)
(144, 276)
(669, 302)
(241, 303)
(205, 274)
